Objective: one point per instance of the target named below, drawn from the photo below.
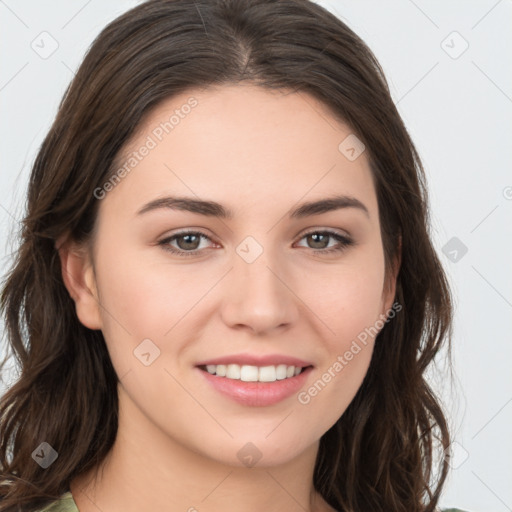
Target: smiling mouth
(250, 373)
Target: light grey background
(456, 103)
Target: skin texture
(259, 153)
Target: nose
(259, 296)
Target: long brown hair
(381, 453)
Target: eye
(319, 238)
(189, 246)
(188, 242)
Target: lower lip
(257, 394)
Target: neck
(147, 469)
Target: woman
(277, 362)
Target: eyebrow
(214, 209)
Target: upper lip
(256, 360)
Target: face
(269, 285)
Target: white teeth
(281, 371)
(233, 371)
(267, 374)
(249, 373)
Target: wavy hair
(381, 453)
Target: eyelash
(344, 242)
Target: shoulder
(66, 503)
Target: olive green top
(67, 504)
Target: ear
(78, 276)
(389, 291)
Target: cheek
(347, 300)
(145, 298)
(350, 314)
(346, 297)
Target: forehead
(261, 144)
